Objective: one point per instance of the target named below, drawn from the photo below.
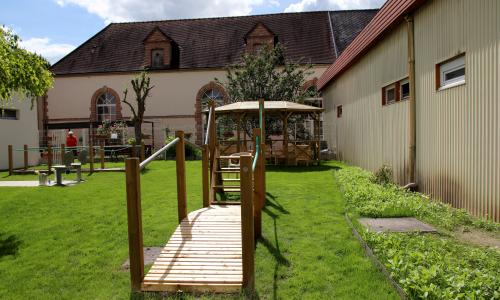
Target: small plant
(384, 175)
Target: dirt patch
(150, 254)
(478, 237)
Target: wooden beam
(143, 155)
(205, 175)
(11, 160)
(180, 163)
(25, 152)
(49, 158)
(101, 154)
(134, 214)
(91, 156)
(247, 226)
(238, 130)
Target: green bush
(426, 266)
(373, 200)
(191, 151)
(430, 267)
(384, 175)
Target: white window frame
(107, 102)
(401, 83)
(451, 66)
(386, 90)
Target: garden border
(378, 264)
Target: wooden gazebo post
(238, 129)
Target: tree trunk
(138, 136)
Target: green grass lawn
(71, 242)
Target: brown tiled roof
(216, 42)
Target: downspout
(412, 110)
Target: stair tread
(231, 179)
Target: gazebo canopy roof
(269, 107)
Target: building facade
(18, 127)
(183, 58)
(368, 94)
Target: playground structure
(212, 249)
(280, 147)
(62, 155)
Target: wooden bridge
(212, 249)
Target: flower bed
(427, 266)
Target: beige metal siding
(369, 134)
(458, 131)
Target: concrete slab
(396, 225)
(27, 183)
(19, 183)
(150, 254)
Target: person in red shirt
(71, 141)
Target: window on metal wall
(8, 114)
(450, 73)
(339, 111)
(389, 94)
(404, 87)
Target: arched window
(106, 107)
(212, 94)
(210, 91)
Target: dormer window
(157, 58)
(258, 37)
(157, 50)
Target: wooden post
(101, 155)
(91, 157)
(25, 151)
(180, 163)
(258, 196)
(238, 131)
(247, 226)
(62, 151)
(134, 214)
(263, 154)
(204, 174)
(11, 160)
(49, 158)
(142, 151)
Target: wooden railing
(134, 212)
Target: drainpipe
(412, 114)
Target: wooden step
(231, 179)
(229, 157)
(228, 171)
(230, 168)
(228, 189)
(226, 203)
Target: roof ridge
(245, 16)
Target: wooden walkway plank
(204, 254)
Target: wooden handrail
(210, 116)
(157, 153)
(134, 215)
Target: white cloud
(311, 5)
(43, 46)
(140, 10)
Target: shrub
(384, 175)
(431, 267)
(191, 151)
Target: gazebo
(278, 150)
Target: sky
(53, 28)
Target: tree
(142, 86)
(20, 70)
(266, 75)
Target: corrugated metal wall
(369, 134)
(458, 129)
